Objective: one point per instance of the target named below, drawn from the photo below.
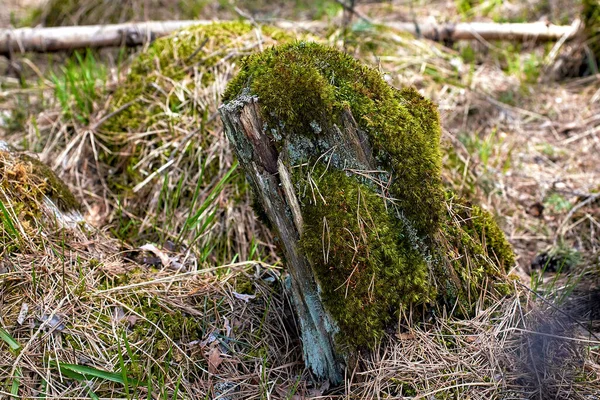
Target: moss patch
(29, 179)
(475, 251)
(366, 269)
(305, 86)
(178, 58)
(27, 185)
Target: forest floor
(146, 299)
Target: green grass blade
(14, 390)
(69, 374)
(7, 221)
(214, 193)
(123, 369)
(93, 395)
(83, 372)
(81, 378)
(9, 340)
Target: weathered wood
(42, 40)
(269, 176)
(259, 159)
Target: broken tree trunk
(347, 171)
(42, 40)
(270, 180)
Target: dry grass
(527, 151)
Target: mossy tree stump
(347, 171)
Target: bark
(42, 40)
(268, 172)
(532, 31)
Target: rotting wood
(259, 159)
(42, 40)
(268, 174)
(346, 170)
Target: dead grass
(526, 151)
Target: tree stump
(346, 170)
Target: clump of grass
(113, 327)
(79, 85)
(161, 146)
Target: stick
(43, 40)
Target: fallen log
(42, 40)
(346, 171)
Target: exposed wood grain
(260, 160)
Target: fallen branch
(534, 31)
(43, 40)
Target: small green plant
(15, 347)
(558, 203)
(8, 224)
(464, 7)
(79, 85)
(525, 66)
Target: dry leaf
(23, 313)
(245, 297)
(131, 320)
(214, 360)
(158, 253)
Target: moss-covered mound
(381, 235)
(164, 146)
(32, 200)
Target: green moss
(171, 94)
(172, 59)
(376, 258)
(374, 251)
(29, 180)
(176, 325)
(244, 285)
(368, 271)
(26, 184)
(476, 250)
(306, 86)
(50, 184)
(490, 234)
